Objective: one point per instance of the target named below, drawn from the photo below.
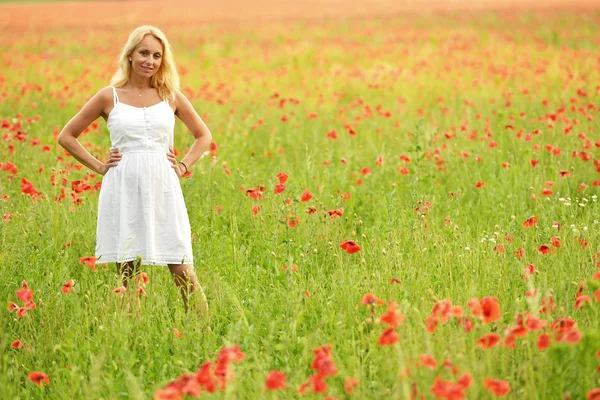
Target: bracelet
(186, 168)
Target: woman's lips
(147, 69)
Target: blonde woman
(142, 217)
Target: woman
(142, 218)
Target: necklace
(144, 91)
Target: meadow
(394, 206)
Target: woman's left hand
(179, 169)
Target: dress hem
(145, 261)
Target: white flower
(467, 248)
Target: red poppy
(350, 246)
(332, 134)
(403, 170)
(89, 261)
(555, 241)
(547, 192)
(427, 361)
(12, 306)
(520, 253)
(543, 342)
(392, 316)
(388, 337)
(38, 378)
(255, 209)
(275, 380)
(27, 188)
(306, 195)
(497, 387)
(16, 344)
(530, 222)
(564, 174)
(282, 177)
(365, 171)
(143, 279)
(292, 223)
(279, 188)
(480, 184)
(487, 341)
(350, 384)
(544, 249)
(593, 394)
(370, 299)
(120, 290)
(323, 363)
(486, 309)
(68, 286)
(21, 312)
(580, 301)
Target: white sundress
(141, 210)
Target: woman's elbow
(63, 138)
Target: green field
(449, 128)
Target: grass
(452, 85)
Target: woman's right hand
(113, 160)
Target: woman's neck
(139, 84)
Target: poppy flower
(480, 184)
(544, 249)
(27, 188)
(283, 177)
(580, 301)
(332, 134)
(143, 279)
(528, 270)
(12, 306)
(17, 344)
(392, 316)
(21, 312)
(275, 380)
(543, 342)
(547, 192)
(38, 378)
(279, 188)
(141, 291)
(68, 286)
(120, 290)
(497, 387)
(593, 394)
(177, 333)
(530, 222)
(486, 309)
(487, 341)
(306, 195)
(323, 363)
(388, 337)
(350, 384)
(370, 299)
(89, 262)
(350, 246)
(255, 209)
(427, 361)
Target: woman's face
(147, 57)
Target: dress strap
(115, 97)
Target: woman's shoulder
(106, 93)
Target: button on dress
(141, 210)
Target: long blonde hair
(166, 79)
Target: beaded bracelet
(186, 168)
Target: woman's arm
(67, 138)
(186, 113)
